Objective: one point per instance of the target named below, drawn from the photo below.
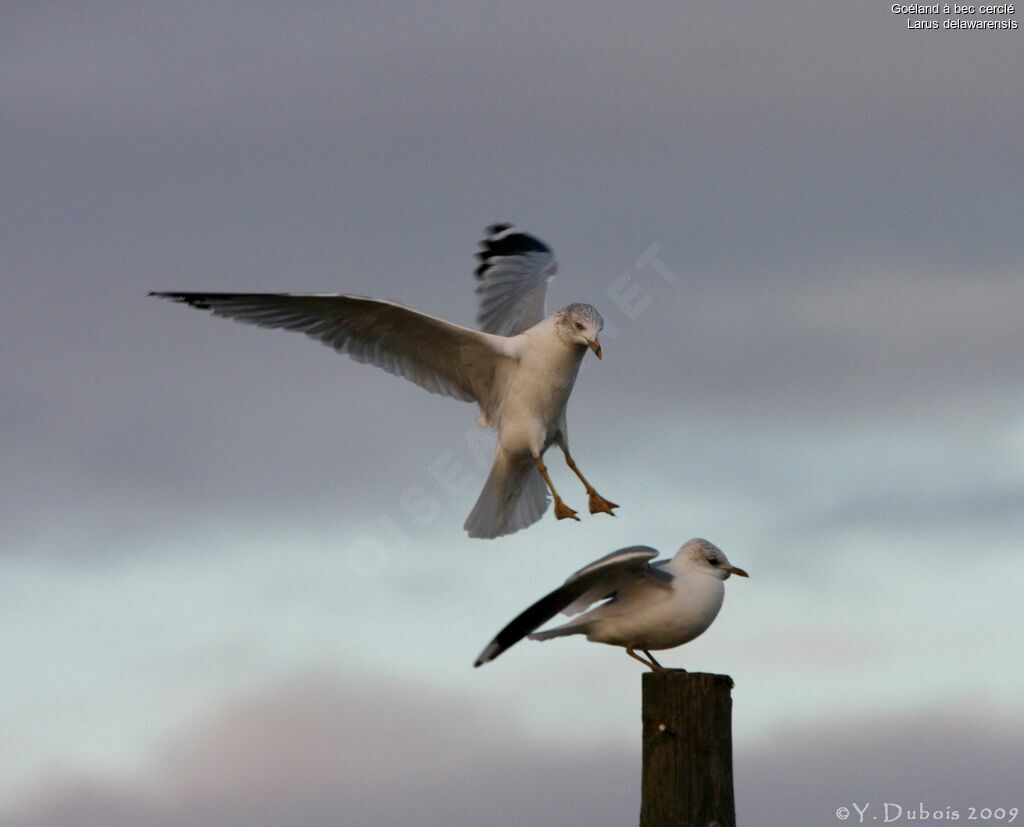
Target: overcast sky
(802, 223)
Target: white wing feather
(514, 273)
(441, 357)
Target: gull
(646, 606)
(520, 367)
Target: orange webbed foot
(563, 512)
(599, 505)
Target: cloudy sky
(802, 223)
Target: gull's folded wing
(514, 272)
(442, 357)
(599, 580)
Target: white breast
(538, 391)
(661, 619)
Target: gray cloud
(967, 509)
(838, 200)
(319, 752)
(316, 751)
(942, 758)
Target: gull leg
(562, 511)
(657, 667)
(597, 502)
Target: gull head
(700, 555)
(580, 324)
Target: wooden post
(687, 749)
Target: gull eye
(714, 561)
(579, 325)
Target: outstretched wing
(599, 580)
(442, 357)
(514, 272)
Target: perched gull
(647, 605)
(520, 368)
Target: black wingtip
(199, 300)
(490, 653)
(512, 242)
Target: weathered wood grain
(687, 750)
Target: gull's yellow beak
(736, 570)
(595, 346)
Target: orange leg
(562, 511)
(654, 660)
(598, 504)
(652, 663)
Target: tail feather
(513, 498)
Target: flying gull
(520, 367)
(646, 605)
